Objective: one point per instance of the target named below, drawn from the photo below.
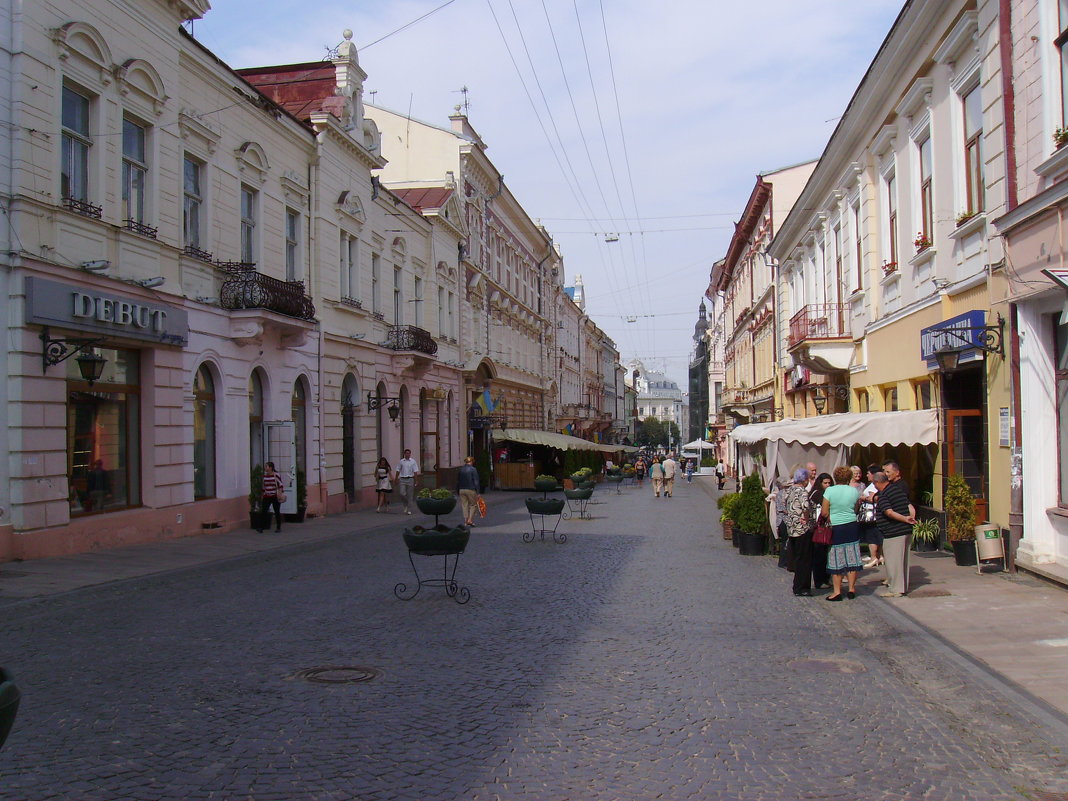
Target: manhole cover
(932, 593)
(828, 666)
(339, 674)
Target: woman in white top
(383, 486)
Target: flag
(485, 402)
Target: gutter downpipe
(1012, 200)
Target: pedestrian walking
(639, 470)
(383, 485)
(467, 486)
(721, 476)
(895, 516)
(407, 473)
(671, 468)
(839, 505)
(689, 471)
(656, 473)
(272, 497)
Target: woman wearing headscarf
(798, 531)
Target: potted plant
(256, 514)
(959, 504)
(544, 483)
(435, 502)
(889, 267)
(579, 494)
(546, 506)
(750, 517)
(725, 504)
(1060, 137)
(922, 242)
(964, 216)
(925, 534)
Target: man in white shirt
(670, 468)
(407, 471)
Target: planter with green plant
(750, 517)
(544, 483)
(258, 518)
(1060, 137)
(926, 534)
(725, 503)
(435, 502)
(959, 504)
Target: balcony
(244, 288)
(820, 338)
(408, 337)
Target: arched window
(300, 422)
(255, 418)
(350, 402)
(203, 434)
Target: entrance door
(964, 445)
(280, 447)
(348, 450)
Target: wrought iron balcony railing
(245, 288)
(408, 337)
(818, 321)
(83, 207)
(141, 228)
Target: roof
(431, 197)
(911, 427)
(301, 89)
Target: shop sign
(82, 309)
(966, 336)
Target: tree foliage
(749, 513)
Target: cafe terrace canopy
(697, 445)
(550, 439)
(827, 438)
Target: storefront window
(203, 434)
(300, 421)
(103, 442)
(255, 418)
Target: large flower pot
(437, 541)
(736, 537)
(578, 494)
(751, 544)
(613, 478)
(9, 704)
(436, 506)
(924, 547)
(260, 520)
(546, 485)
(587, 485)
(728, 529)
(964, 552)
(545, 506)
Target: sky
(633, 132)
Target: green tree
(653, 432)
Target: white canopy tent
(774, 447)
(697, 445)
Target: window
(891, 216)
(203, 434)
(973, 156)
(862, 401)
(398, 311)
(1062, 46)
(350, 276)
(249, 202)
(858, 243)
(103, 446)
(74, 170)
(452, 316)
(292, 245)
(194, 200)
(926, 191)
(838, 260)
(255, 418)
(442, 329)
(891, 399)
(376, 267)
(1061, 342)
(300, 424)
(923, 395)
(417, 302)
(134, 170)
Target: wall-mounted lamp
(823, 392)
(90, 364)
(990, 340)
(392, 405)
(96, 265)
(151, 283)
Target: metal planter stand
(542, 508)
(437, 541)
(577, 502)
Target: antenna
(372, 93)
(466, 104)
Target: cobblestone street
(642, 659)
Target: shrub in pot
(750, 516)
(438, 501)
(544, 483)
(726, 503)
(925, 535)
(959, 504)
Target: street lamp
(90, 363)
(948, 358)
(819, 400)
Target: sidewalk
(1016, 626)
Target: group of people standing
(822, 519)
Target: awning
(854, 428)
(563, 442)
(698, 444)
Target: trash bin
(988, 542)
(9, 704)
